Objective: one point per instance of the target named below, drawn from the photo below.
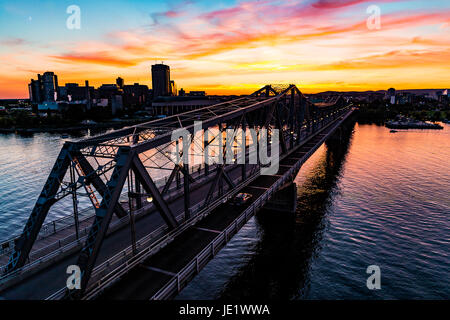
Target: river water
(372, 198)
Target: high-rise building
(120, 82)
(88, 95)
(45, 88)
(161, 80)
(49, 84)
(173, 88)
(35, 91)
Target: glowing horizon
(230, 47)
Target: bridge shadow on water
(279, 268)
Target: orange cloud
(255, 42)
(393, 59)
(102, 58)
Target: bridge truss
(103, 167)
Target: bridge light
(149, 199)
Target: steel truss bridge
(151, 219)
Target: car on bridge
(241, 198)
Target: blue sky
(228, 46)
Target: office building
(120, 82)
(49, 85)
(106, 91)
(135, 95)
(161, 80)
(34, 89)
(45, 88)
(173, 88)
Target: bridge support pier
(284, 200)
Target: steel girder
(23, 246)
(126, 160)
(96, 181)
(283, 107)
(150, 187)
(103, 215)
(69, 156)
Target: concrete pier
(284, 200)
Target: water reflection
(280, 266)
(25, 162)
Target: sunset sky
(228, 46)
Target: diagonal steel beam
(187, 192)
(31, 230)
(97, 181)
(151, 188)
(173, 174)
(103, 215)
(214, 184)
(228, 179)
(280, 128)
(270, 114)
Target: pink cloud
(210, 36)
(13, 42)
(333, 4)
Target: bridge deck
(62, 237)
(164, 275)
(54, 276)
(162, 268)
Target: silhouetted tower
(88, 96)
(49, 84)
(161, 80)
(120, 82)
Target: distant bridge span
(146, 237)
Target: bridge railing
(62, 246)
(49, 229)
(114, 267)
(103, 272)
(182, 278)
(65, 222)
(123, 261)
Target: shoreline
(100, 125)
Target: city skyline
(231, 47)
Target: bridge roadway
(62, 234)
(45, 282)
(165, 274)
(159, 271)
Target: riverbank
(379, 113)
(413, 125)
(64, 129)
